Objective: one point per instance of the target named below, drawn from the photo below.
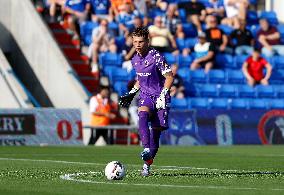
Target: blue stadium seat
(221, 103)
(182, 15)
(270, 16)
(279, 62)
(198, 103)
(252, 17)
(179, 103)
(189, 30)
(246, 91)
(258, 104)
(280, 28)
(277, 76)
(110, 59)
(190, 42)
(113, 26)
(254, 29)
(276, 103)
(224, 61)
(120, 74)
(184, 74)
(120, 87)
(265, 91)
(228, 90)
(86, 30)
(226, 29)
(170, 58)
(279, 89)
(191, 90)
(181, 44)
(208, 90)
(120, 42)
(107, 70)
(185, 61)
(216, 76)
(238, 104)
(239, 60)
(235, 76)
(198, 76)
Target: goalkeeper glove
(161, 101)
(125, 100)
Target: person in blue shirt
(100, 9)
(78, 9)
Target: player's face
(140, 44)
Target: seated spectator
(269, 38)
(115, 7)
(253, 69)
(216, 36)
(126, 18)
(52, 8)
(235, 10)
(195, 11)
(161, 37)
(216, 8)
(100, 9)
(243, 38)
(79, 11)
(103, 41)
(101, 114)
(171, 19)
(128, 51)
(204, 54)
(177, 89)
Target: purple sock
(154, 142)
(144, 128)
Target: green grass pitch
(176, 170)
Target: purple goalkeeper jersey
(150, 70)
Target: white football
(115, 170)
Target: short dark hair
(141, 32)
(257, 49)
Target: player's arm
(169, 80)
(126, 99)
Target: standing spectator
(204, 54)
(100, 9)
(52, 8)
(103, 41)
(253, 69)
(116, 7)
(79, 11)
(269, 38)
(171, 19)
(160, 37)
(195, 11)
(216, 36)
(177, 89)
(216, 8)
(100, 108)
(128, 52)
(243, 38)
(235, 10)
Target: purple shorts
(158, 118)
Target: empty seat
(170, 58)
(120, 74)
(270, 16)
(216, 76)
(185, 61)
(228, 91)
(184, 74)
(235, 76)
(191, 90)
(179, 103)
(279, 62)
(238, 104)
(120, 87)
(198, 103)
(198, 76)
(208, 90)
(240, 59)
(279, 90)
(189, 30)
(224, 61)
(277, 76)
(258, 104)
(190, 42)
(246, 91)
(252, 17)
(276, 103)
(265, 91)
(281, 31)
(110, 59)
(226, 29)
(219, 103)
(181, 44)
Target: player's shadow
(219, 174)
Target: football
(115, 170)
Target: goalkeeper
(154, 80)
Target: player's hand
(125, 100)
(161, 101)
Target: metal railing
(114, 128)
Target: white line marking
(69, 177)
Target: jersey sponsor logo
(144, 74)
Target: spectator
(116, 6)
(253, 69)
(171, 19)
(216, 8)
(100, 9)
(269, 39)
(52, 8)
(100, 109)
(235, 10)
(204, 54)
(216, 36)
(126, 18)
(177, 89)
(128, 51)
(243, 38)
(160, 37)
(195, 11)
(79, 11)
(141, 6)
(103, 41)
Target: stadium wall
(43, 55)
